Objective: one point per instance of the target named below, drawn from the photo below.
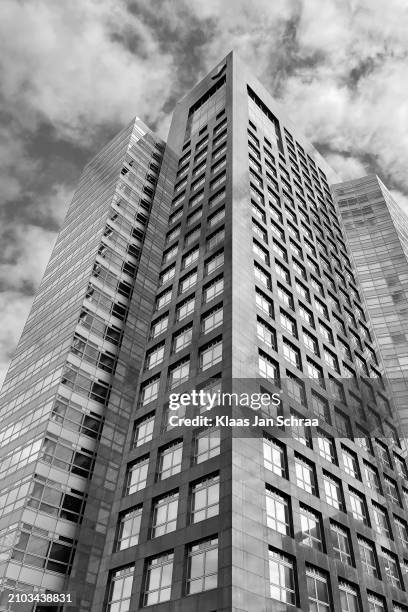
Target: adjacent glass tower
(241, 280)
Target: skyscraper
(241, 281)
(377, 230)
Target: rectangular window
(282, 578)
(205, 496)
(137, 476)
(215, 262)
(391, 490)
(211, 354)
(381, 523)
(266, 333)
(341, 543)
(163, 299)
(392, 570)
(179, 373)
(154, 357)
(260, 252)
(170, 460)
(317, 590)
(349, 597)
(149, 391)
(164, 515)
(274, 457)
(207, 445)
(263, 277)
(268, 368)
(368, 557)
(333, 491)
(159, 326)
(213, 289)
(320, 406)
(159, 572)
(305, 475)
(358, 506)
(288, 323)
(182, 339)
(264, 303)
(143, 430)
(120, 589)
(185, 308)
(350, 463)
(202, 566)
(277, 512)
(311, 526)
(286, 297)
(129, 528)
(292, 354)
(212, 319)
(326, 447)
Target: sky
(72, 74)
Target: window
(358, 506)
(179, 373)
(277, 512)
(143, 431)
(163, 299)
(391, 567)
(260, 252)
(159, 326)
(182, 338)
(187, 282)
(129, 528)
(381, 523)
(274, 457)
(266, 333)
(300, 432)
(202, 566)
(282, 578)
(120, 590)
(341, 543)
(350, 463)
(164, 515)
(305, 475)
(216, 217)
(333, 492)
(207, 445)
(311, 526)
(137, 476)
(213, 289)
(212, 319)
(286, 297)
(185, 308)
(306, 315)
(263, 302)
(159, 572)
(315, 371)
(311, 342)
(317, 590)
(263, 277)
(267, 366)
(401, 528)
(211, 354)
(368, 557)
(320, 406)
(295, 388)
(149, 391)
(259, 231)
(371, 477)
(154, 357)
(288, 323)
(326, 447)
(391, 490)
(342, 424)
(170, 460)
(292, 354)
(331, 360)
(349, 597)
(215, 262)
(375, 603)
(383, 454)
(167, 274)
(205, 496)
(401, 466)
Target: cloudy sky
(73, 73)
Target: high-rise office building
(377, 231)
(241, 282)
